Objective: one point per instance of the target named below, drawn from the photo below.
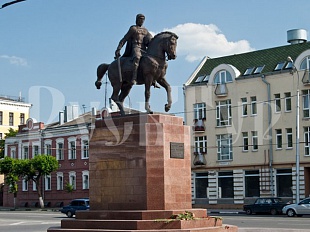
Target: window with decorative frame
(60, 181)
(72, 179)
(60, 149)
(85, 179)
(48, 182)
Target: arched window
(305, 63)
(222, 77)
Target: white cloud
(199, 40)
(15, 60)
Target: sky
(50, 50)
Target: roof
(268, 57)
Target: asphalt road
(29, 221)
(40, 221)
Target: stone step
(223, 228)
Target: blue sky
(49, 50)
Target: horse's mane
(164, 33)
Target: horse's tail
(101, 70)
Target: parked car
(76, 204)
(272, 205)
(302, 208)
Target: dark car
(76, 204)
(272, 205)
(303, 207)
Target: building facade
(13, 112)
(68, 141)
(243, 111)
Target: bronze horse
(152, 69)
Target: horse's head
(171, 46)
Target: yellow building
(13, 112)
(250, 137)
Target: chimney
(61, 118)
(71, 112)
(297, 36)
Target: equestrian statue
(143, 62)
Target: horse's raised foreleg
(101, 70)
(167, 87)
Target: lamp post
(297, 130)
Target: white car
(302, 208)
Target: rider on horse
(137, 40)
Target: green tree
(34, 169)
(9, 167)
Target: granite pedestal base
(140, 175)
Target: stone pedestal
(140, 175)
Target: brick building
(68, 141)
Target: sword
(119, 69)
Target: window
(279, 66)
(248, 71)
(199, 111)
(245, 138)
(224, 147)
(254, 141)
(253, 106)
(201, 185)
(307, 140)
(259, 69)
(72, 179)
(222, 77)
(199, 79)
(35, 150)
(11, 119)
(48, 149)
(201, 144)
(289, 138)
(22, 119)
(244, 106)
(25, 153)
(289, 65)
(200, 150)
(59, 151)
(288, 102)
(251, 182)
(305, 63)
(226, 184)
(13, 153)
(1, 118)
(72, 148)
(284, 183)
(85, 178)
(85, 148)
(1, 136)
(223, 113)
(47, 182)
(60, 181)
(277, 102)
(278, 138)
(25, 185)
(306, 103)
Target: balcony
(199, 125)
(200, 159)
(221, 90)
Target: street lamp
(297, 130)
